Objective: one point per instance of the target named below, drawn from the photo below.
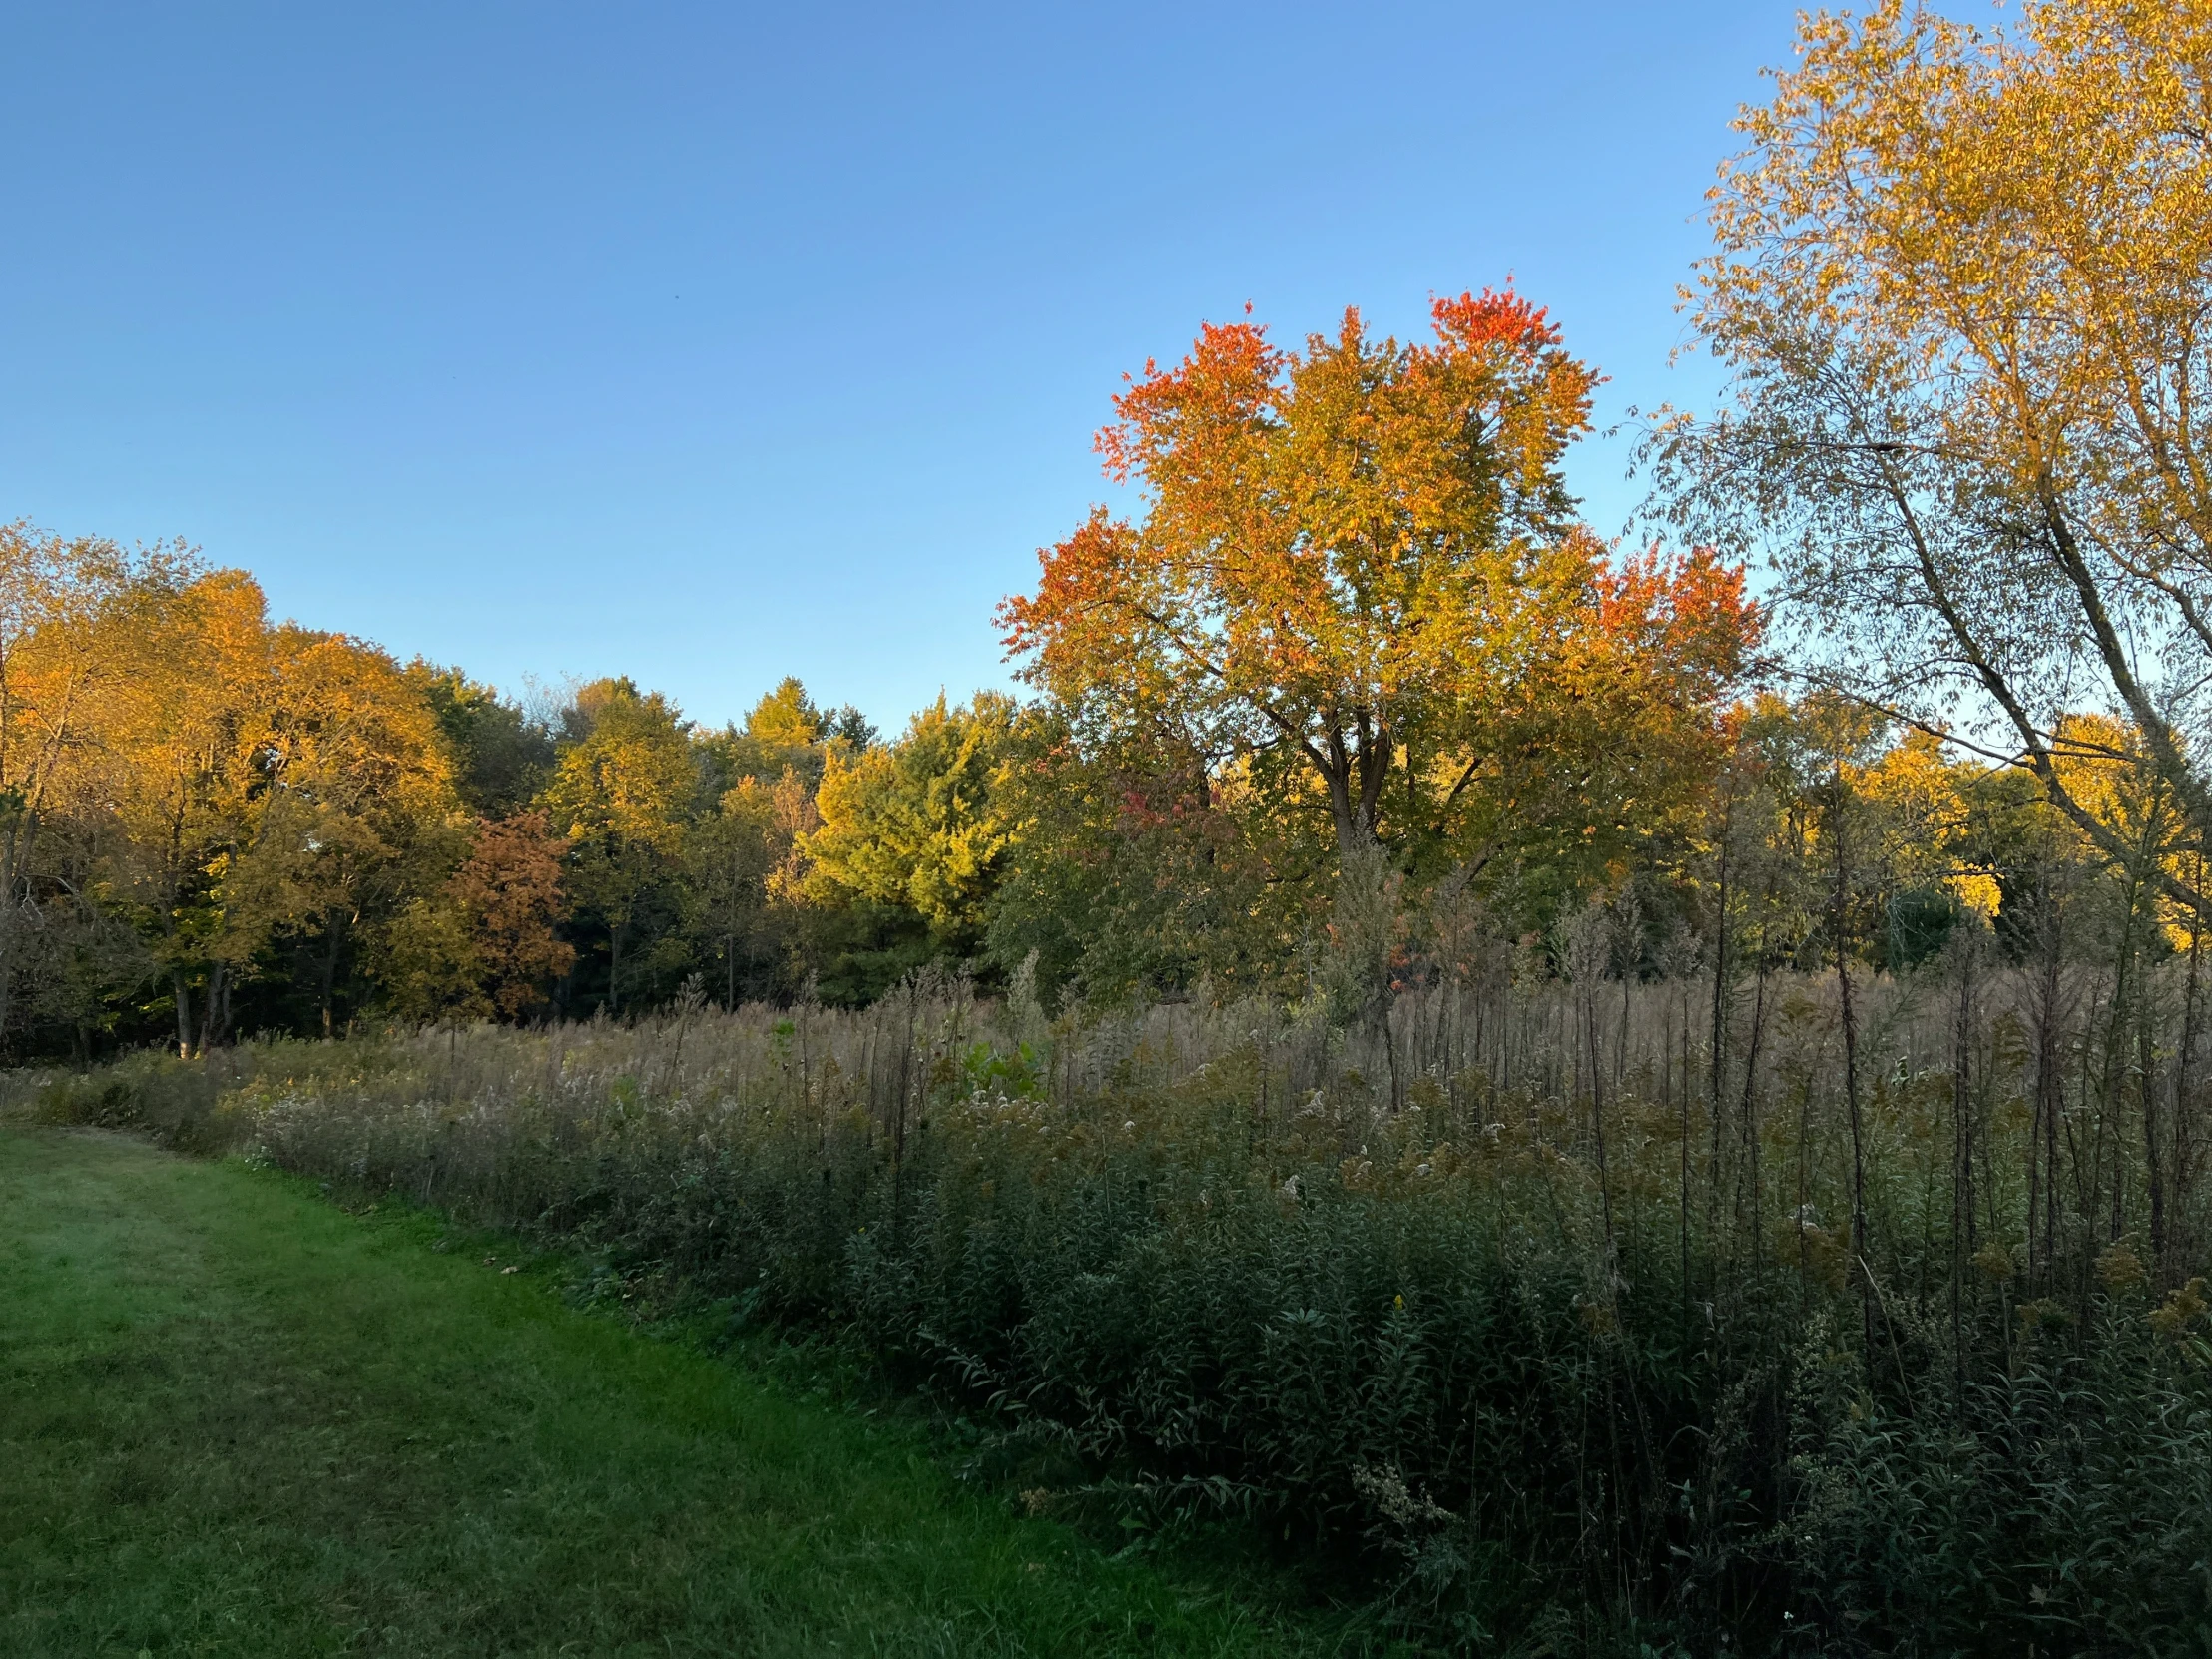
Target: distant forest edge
(1409, 670)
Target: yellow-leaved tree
(78, 619)
(1960, 282)
(915, 823)
(182, 747)
(622, 793)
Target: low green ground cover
(237, 1419)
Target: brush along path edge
(236, 1420)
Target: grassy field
(237, 1420)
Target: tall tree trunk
(614, 968)
(218, 1000)
(2050, 1083)
(328, 969)
(2186, 1083)
(2153, 1167)
(181, 992)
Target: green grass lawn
(237, 1420)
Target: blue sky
(712, 343)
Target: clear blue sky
(710, 343)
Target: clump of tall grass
(1584, 1312)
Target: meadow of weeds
(1559, 1314)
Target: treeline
(218, 825)
(215, 825)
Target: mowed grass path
(236, 1420)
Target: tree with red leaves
(1359, 580)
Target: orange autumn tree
(1607, 739)
(1358, 577)
(509, 893)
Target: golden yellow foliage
(1962, 274)
(916, 824)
